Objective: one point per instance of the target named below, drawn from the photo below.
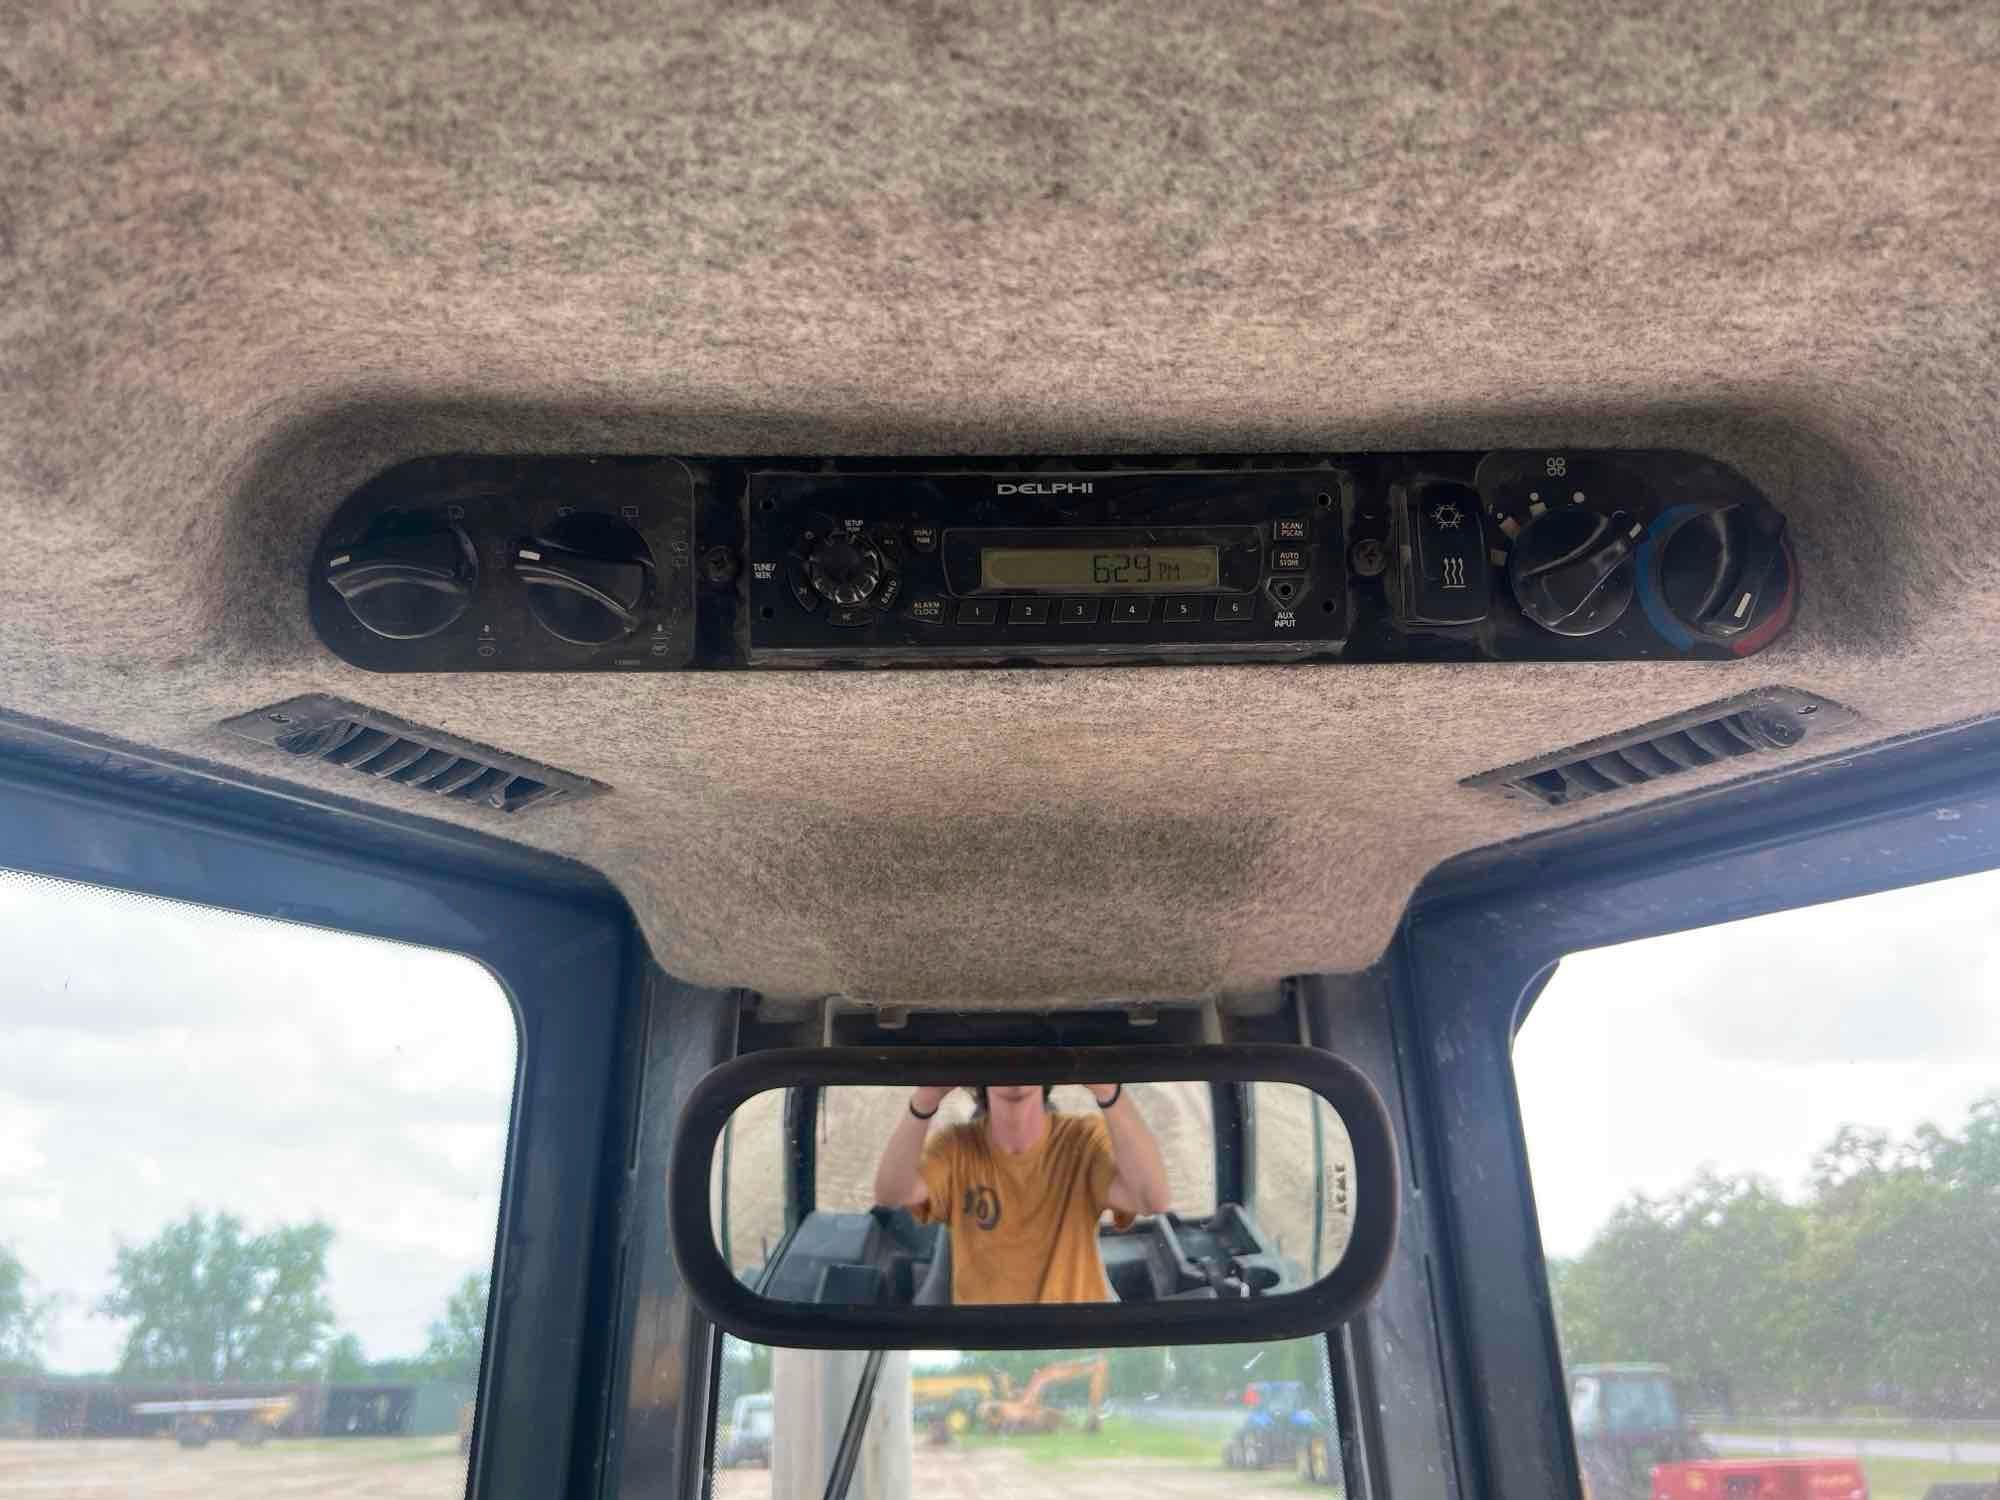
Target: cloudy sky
(1748, 1045)
(156, 1057)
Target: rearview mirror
(1033, 1198)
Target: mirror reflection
(1012, 1193)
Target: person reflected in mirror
(1022, 1186)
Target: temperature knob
(845, 568)
(587, 577)
(1572, 570)
(1725, 572)
(407, 583)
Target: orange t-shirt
(1023, 1223)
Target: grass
(1909, 1478)
(1118, 1438)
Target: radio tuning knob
(1572, 570)
(845, 569)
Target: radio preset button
(1236, 607)
(978, 611)
(1077, 612)
(1028, 612)
(1181, 611)
(1131, 611)
(1289, 529)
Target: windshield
(1119, 1424)
(1639, 1405)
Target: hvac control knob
(407, 581)
(1572, 570)
(845, 569)
(587, 577)
(1725, 572)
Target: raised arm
(899, 1178)
(1141, 1184)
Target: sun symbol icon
(1448, 517)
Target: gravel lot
(994, 1473)
(159, 1469)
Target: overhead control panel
(553, 564)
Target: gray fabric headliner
(249, 255)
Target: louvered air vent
(1746, 728)
(338, 733)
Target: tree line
(206, 1300)
(1880, 1285)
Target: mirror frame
(1325, 1304)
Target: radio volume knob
(845, 569)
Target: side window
(249, 1186)
(1766, 1161)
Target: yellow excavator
(1026, 1413)
(249, 1419)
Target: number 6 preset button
(1131, 611)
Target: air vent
(374, 744)
(1746, 729)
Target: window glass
(1300, 1140)
(249, 1185)
(1766, 1159)
(1123, 1424)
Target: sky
(1746, 1046)
(157, 1057)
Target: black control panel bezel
(498, 503)
(1404, 557)
(931, 606)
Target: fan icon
(1447, 517)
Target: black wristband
(931, 1116)
(1117, 1093)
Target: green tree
(457, 1338)
(345, 1362)
(23, 1317)
(1881, 1285)
(207, 1302)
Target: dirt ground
(430, 1469)
(159, 1469)
(991, 1473)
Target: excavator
(1026, 1413)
